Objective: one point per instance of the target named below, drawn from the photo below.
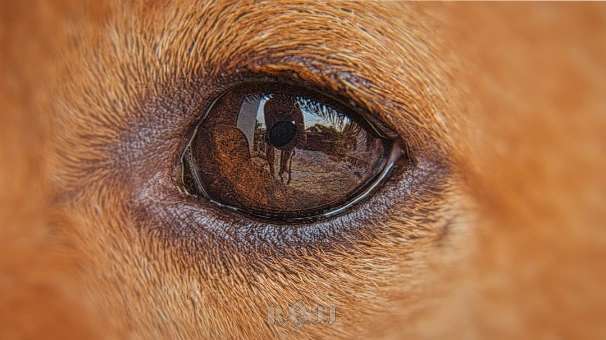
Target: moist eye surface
(281, 152)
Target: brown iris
(282, 152)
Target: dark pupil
(274, 151)
(282, 133)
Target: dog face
(487, 227)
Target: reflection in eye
(281, 152)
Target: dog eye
(281, 152)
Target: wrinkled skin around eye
(281, 152)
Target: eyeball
(281, 152)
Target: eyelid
(337, 87)
(403, 114)
(341, 82)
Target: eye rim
(395, 155)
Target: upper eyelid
(343, 86)
(333, 90)
(402, 110)
(322, 75)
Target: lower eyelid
(163, 207)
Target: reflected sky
(252, 114)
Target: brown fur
(500, 235)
